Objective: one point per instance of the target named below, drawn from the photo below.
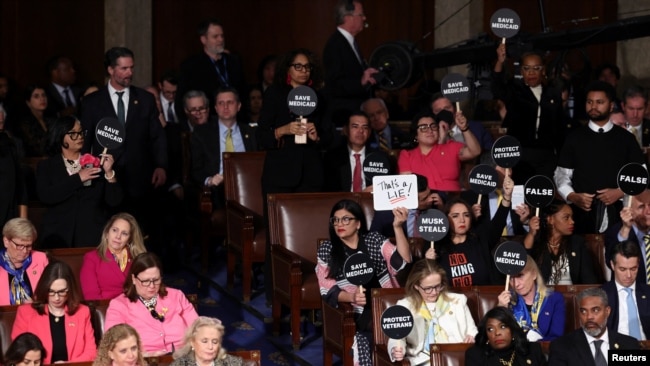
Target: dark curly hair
(504, 315)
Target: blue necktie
(633, 316)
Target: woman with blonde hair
(203, 345)
(438, 316)
(104, 270)
(539, 311)
(120, 346)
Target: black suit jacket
(55, 103)
(145, 146)
(611, 239)
(642, 294)
(338, 170)
(75, 213)
(398, 140)
(572, 349)
(645, 132)
(581, 265)
(475, 355)
(206, 154)
(471, 197)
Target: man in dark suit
(589, 345)
(347, 77)
(62, 95)
(141, 162)
(635, 101)
(634, 226)
(221, 134)
(629, 301)
(384, 136)
(211, 69)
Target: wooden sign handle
(479, 199)
(507, 282)
(503, 40)
(101, 161)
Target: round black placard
(110, 133)
(510, 258)
(505, 23)
(483, 179)
(433, 225)
(506, 151)
(455, 87)
(396, 322)
(539, 191)
(632, 179)
(375, 163)
(302, 100)
(358, 269)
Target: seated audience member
(266, 71)
(58, 318)
(563, 258)
(120, 346)
(197, 110)
(22, 267)
(618, 118)
(254, 105)
(167, 86)
(77, 193)
(465, 253)
(634, 226)
(104, 270)
(344, 164)
(634, 104)
(501, 341)
(590, 344)
(439, 162)
(439, 316)
(383, 136)
(13, 188)
(25, 350)
(539, 311)
(32, 128)
(160, 314)
(611, 74)
(203, 345)
(628, 299)
(440, 103)
(349, 235)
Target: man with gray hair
(384, 136)
(589, 344)
(196, 106)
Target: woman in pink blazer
(20, 267)
(104, 270)
(159, 314)
(57, 318)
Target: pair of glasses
(157, 316)
(22, 247)
(430, 289)
(433, 127)
(532, 68)
(345, 220)
(303, 67)
(147, 283)
(198, 110)
(74, 135)
(60, 293)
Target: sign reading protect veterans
(375, 163)
(358, 269)
(110, 133)
(632, 179)
(455, 87)
(505, 23)
(396, 322)
(302, 100)
(539, 191)
(483, 179)
(506, 151)
(433, 225)
(510, 258)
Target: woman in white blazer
(438, 316)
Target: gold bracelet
(111, 177)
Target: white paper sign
(518, 196)
(390, 191)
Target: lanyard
(224, 76)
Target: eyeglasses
(433, 127)
(532, 68)
(22, 247)
(156, 315)
(345, 220)
(430, 289)
(198, 110)
(60, 293)
(301, 67)
(147, 283)
(74, 135)
(362, 15)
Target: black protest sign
(358, 269)
(483, 179)
(375, 163)
(510, 258)
(539, 191)
(506, 151)
(396, 322)
(632, 179)
(302, 100)
(110, 133)
(433, 225)
(455, 87)
(505, 23)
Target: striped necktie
(646, 241)
(383, 143)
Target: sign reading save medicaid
(391, 191)
(505, 23)
(358, 269)
(483, 179)
(375, 163)
(510, 258)
(455, 87)
(302, 100)
(396, 322)
(632, 179)
(110, 133)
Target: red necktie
(356, 177)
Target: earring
(288, 79)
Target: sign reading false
(510, 258)
(396, 322)
(539, 192)
(110, 134)
(483, 179)
(632, 179)
(506, 151)
(505, 23)
(375, 163)
(391, 191)
(358, 269)
(433, 225)
(302, 101)
(455, 87)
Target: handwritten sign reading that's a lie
(390, 191)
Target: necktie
(499, 199)
(358, 52)
(170, 113)
(383, 143)
(121, 115)
(634, 131)
(646, 241)
(230, 146)
(68, 101)
(632, 315)
(599, 358)
(600, 130)
(356, 177)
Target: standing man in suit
(635, 101)
(348, 78)
(62, 95)
(141, 162)
(168, 85)
(589, 345)
(629, 300)
(211, 69)
(383, 136)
